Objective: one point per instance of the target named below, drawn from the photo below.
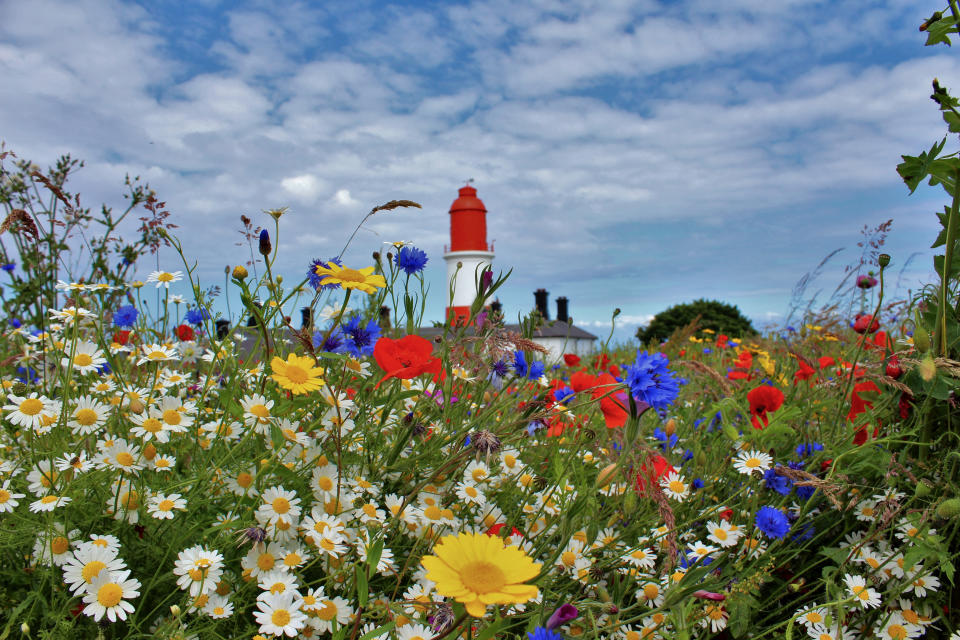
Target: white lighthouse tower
(468, 248)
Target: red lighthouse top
(468, 222)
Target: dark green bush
(721, 317)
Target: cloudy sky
(630, 153)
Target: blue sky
(631, 154)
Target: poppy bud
(928, 368)
(921, 340)
(922, 490)
(670, 428)
(136, 406)
(629, 502)
(949, 508)
(239, 272)
(606, 475)
(265, 246)
(883, 260)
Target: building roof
(552, 329)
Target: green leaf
(489, 631)
(363, 591)
(913, 170)
(937, 31)
(741, 615)
(835, 554)
(942, 237)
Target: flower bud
(921, 340)
(883, 260)
(25, 629)
(239, 272)
(922, 489)
(265, 246)
(670, 428)
(136, 406)
(18, 388)
(606, 475)
(174, 610)
(949, 508)
(927, 368)
(279, 279)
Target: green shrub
(721, 317)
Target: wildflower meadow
(171, 471)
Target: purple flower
(563, 615)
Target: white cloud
(305, 187)
(343, 198)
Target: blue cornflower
(561, 395)
(542, 633)
(772, 522)
(520, 364)
(804, 450)
(498, 371)
(707, 350)
(27, 375)
(805, 534)
(361, 338)
(335, 342)
(125, 316)
(315, 279)
(650, 380)
(15, 323)
(780, 484)
(9, 267)
(665, 440)
(411, 260)
(196, 316)
(536, 370)
(697, 483)
(805, 492)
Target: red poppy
(825, 361)
(859, 404)
(742, 366)
(880, 340)
(862, 434)
(122, 337)
(497, 528)
(726, 514)
(722, 341)
(805, 372)
(762, 400)
(612, 405)
(571, 360)
(601, 362)
(651, 471)
(406, 358)
(185, 332)
(865, 323)
(904, 405)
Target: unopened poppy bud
(279, 279)
(239, 272)
(606, 475)
(376, 256)
(883, 260)
(670, 428)
(922, 489)
(136, 406)
(949, 508)
(629, 502)
(927, 368)
(921, 340)
(265, 246)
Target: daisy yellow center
(910, 616)
(195, 574)
(260, 411)
(157, 355)
(814, 617)
(292, 559)
(650, 591)
(82, 360)
(471, 491)
(164, 276)
(244, 480)
(328, 612)
(124, 459)
(4, 496)
(309, 600)
(370, 510)
(218, 611)
(49, 499)
(568, 558)
(296, 374)
(639, 555)
(265, 562)
(281, 505)
(172, 417)
(897, 631)
(327, 544)
(31, 407)
(325, 483)
(59, 545)
(109, 595)
(131, 500)
(632, 635)
(165, 505)
(861, 592)
(912, 532)
(278, 587)
(482, 577)
(100, 542)
(86, 417)
(677, 486)
(48, 478)
(868, 511)
(432, 513)
(752, 463)
(873, 562)
(91, 570)
(720, 534)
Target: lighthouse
(468, 249)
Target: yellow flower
(477, 570)
(364, 279)
(298, 374)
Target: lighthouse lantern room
(468, 249)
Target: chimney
(496, 307)
(223, 328)
(252, 320)
(540, 295)
(384, 317)
(562, 309)
(306, 318)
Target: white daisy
(86, 562)
(157, 353)
(8, 499)
(87, 358)
(279, 504)
(674, 486)
(107, 595)
(276, 581)
(26, 411)
(199, 570)
(164, 278)
(747, 462)
(218, 606)
(865, 596)
(723, 533)
(88, 416)
(162, 506)
(49, 503)
(280, 614)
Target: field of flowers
(168, 473)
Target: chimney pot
(562, 313)
(540, 296)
